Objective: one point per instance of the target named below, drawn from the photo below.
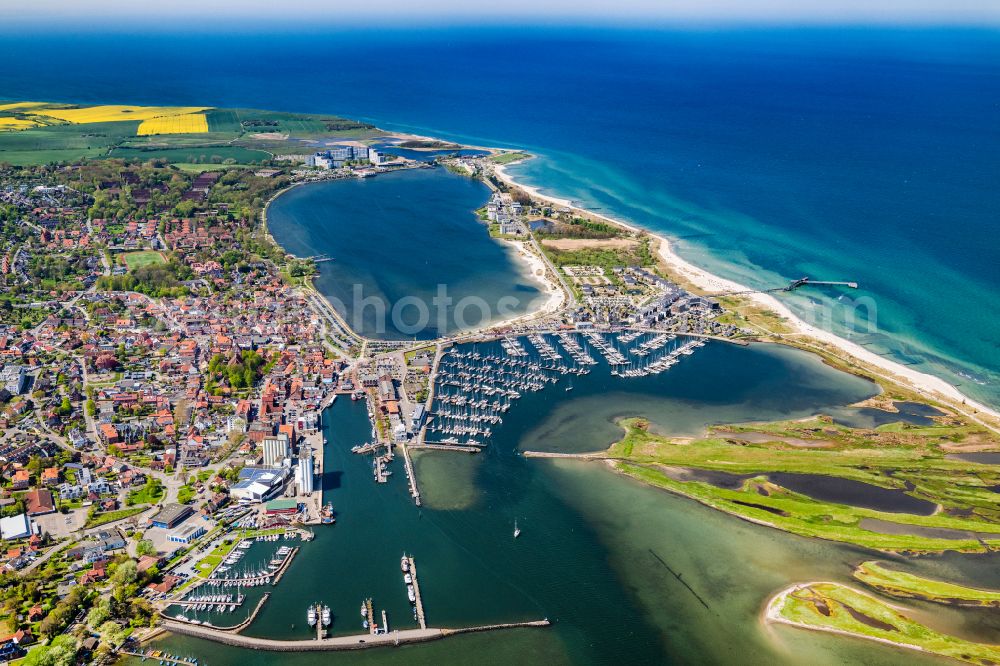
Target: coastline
(537, 270)
(531, 266)
(931, 386)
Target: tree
(60, 652)
(112, 633)
(99, 614)
(185, 494)
(145, 547)
(125, 573)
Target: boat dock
(439, 446)
(418, 603)
(283, 567)
(164, 658)
(411, 476)
(222, 605)
(320, 631)
(371, 616)
(167, 620)
(316, 496)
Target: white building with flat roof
(14, 379)
(15, 527)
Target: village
(156, 371)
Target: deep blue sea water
(862, 154)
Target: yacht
(517, 530)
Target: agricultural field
(110, 113)
(296, 124)
(224, 120)
(142, 259)
(56, 143)
(43, 133)
(11, 123)
(19, 106)
(202, 168)
(193, 154)
(187, 123)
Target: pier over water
(356, 642)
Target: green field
(224, 120)
(142, 258)
(39, 157)
(62, 143)
(507, 158)
(202, 168)
(902, 584)
(111, 516)
(194, 154)
(835, 607)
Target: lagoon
(401, 243)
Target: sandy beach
(535, 267)
(537, 270)
(930, 386)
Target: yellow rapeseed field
(113, 113)
(187, 123)
(18, 106)
(16, 123)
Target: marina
(211, 600)
(475, 385)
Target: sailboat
(517, 530)
(570, 387)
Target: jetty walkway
(593, 455)
(355, 642)
(411, 475)
(446, 447)
(418, 601)
(171, 624)
(283, 567)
